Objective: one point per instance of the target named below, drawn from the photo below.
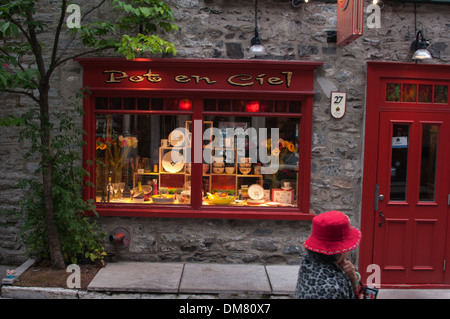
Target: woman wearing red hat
(325, 273)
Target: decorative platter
(255, 201)
(170, 165)
(256, 192)
(176, 138)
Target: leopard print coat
(320, 278)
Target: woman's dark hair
(322, 257)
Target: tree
(27, 64)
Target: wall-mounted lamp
(297, 3)
(420, 45)
(256, 48)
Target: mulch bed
(41, 274)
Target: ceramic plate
(255, 201)
(170, 165)
(163, 199)
(176, 138)
(256, 191)
(273, 204)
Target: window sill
(204, 212)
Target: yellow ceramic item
(220, 200)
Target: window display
(251, 158)
(248, 159)
(135, 161)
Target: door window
(428, 162)
(399, 162)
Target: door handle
(380, 213)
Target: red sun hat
(332, 234)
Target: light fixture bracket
(419, 47)
(419, 42)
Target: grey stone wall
(223, 29)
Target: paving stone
(219, 278)
(283, 279)
(138, 277)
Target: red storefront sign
(145, 74)
(350, 14)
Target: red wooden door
(411, 220)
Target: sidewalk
(195, 280)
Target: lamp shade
(422, 54)
(257, 49)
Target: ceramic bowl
(220, 200)
(218, 164)
(229, 170)
(205, 168)
(246, 165)
(218, 170)
(245, 170)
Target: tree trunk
(56, 256)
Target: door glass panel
(393, 92)
(440, 94)
(399, 162)
(428, 162)
(409, 92)
(425, 93)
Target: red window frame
(198, 80)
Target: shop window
(252, 161)
(131, 166)
(157, 128)
(249, 159)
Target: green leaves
(79, 234)
(130, 47)
(148, 20)
(11, 121)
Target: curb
(16, 292)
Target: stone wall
(223, 29)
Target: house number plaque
(337, 104)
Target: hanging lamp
(256, 47)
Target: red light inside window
(252, 106)
(185, 105)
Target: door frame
(376, 71)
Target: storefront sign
(240, 80)
(350, 15)
(208, 75)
